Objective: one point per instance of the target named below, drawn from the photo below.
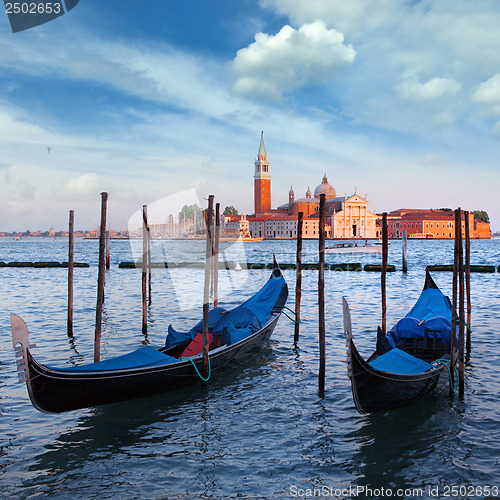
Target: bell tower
(262, 181)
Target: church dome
(326, 189)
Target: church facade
(347, 216)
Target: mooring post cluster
(385, 243)
(461, 293)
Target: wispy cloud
(434, 88)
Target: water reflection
(392, 445)
(255, 431)
(111, 430)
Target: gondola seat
(400, 362)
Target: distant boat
(236, 336)
(410, 363)
(354, 247)
(243, 239)
(420, 236)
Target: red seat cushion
(196, 345)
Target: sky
(399, 100)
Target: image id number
(33, 8)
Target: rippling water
(259, 432)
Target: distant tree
(481, 215)
(446, 209)
(230, 210)
(188, 214)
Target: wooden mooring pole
(216, 256)
(100, 279)
(107, 250)
(461, 312)
(385, 245)
(298, 282)
(212, 269)
(206, 291)
(405, 251)
(467, 284)
(321, 297)
(71, 256)
(149, 265)
(453, 340)
(144, 268)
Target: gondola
(411, 362)
(235, 336)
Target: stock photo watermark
(362, 491)
(29, 14)
(179, 217)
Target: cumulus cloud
(434, 88)
(488, 92)
(276, 64)
(85, 187)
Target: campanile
(262, 181)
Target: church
(348, 216)
(345, 216)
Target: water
(261, 431)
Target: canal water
(261, 431)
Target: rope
(467, 326)
(280, 310)
(445, 362)
(196, 368)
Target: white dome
(326, 189)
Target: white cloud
(84, 187)
(274, 65)
(432, 89)
(416, 39)
(488, 92)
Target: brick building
(438, 224)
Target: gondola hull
(55, 391)
(374, 390)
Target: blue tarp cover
(431, 313)
(437, 327)
(141, 358)
(400, 362)
(252, 314)
(235, 334)
(432, 302)
(174, 337)
(265, 299)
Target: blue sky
(400, 100)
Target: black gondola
(236, 336)
(411, 362)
